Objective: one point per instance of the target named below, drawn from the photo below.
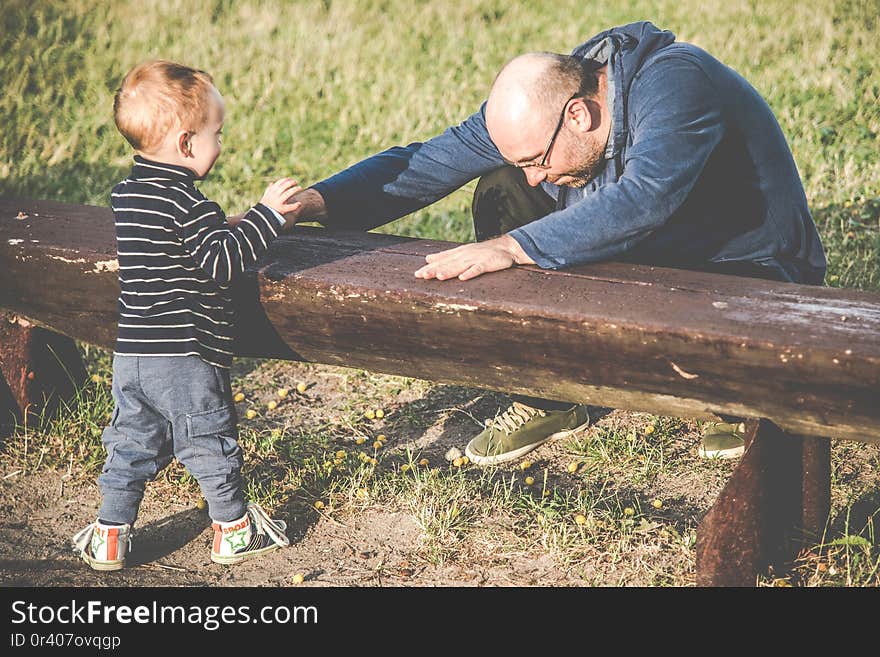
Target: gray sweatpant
(166, 407)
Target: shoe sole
(732, 453)
(238, 558)
(516, 453)
(103, 566)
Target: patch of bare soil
(383, 544)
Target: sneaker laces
(514, 417)
(265, 525)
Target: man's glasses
(542, 163)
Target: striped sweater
(177, 259)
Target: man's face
(570, 158)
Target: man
(634, 147)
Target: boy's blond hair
(156, 97)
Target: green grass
(312, 87)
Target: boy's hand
(277, 196)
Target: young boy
(177, 258)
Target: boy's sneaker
(253, 534)
(102, 546)
(723, 441)
(520, 429)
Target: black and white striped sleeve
(221, 250)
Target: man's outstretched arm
(400, 180)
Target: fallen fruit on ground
(239, 396)
(580, 519)
(299, 578)
(250, 414)
(283, 392)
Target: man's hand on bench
(470, 260)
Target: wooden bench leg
(778, 496)
(38, 370)
(816, 487)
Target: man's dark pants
(503, 200)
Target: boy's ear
(184, 144)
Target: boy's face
(205, 144)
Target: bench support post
(778, 497)
(38, 370)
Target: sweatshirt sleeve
(675, 122)
(223, 251)
(400, 180)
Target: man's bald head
(527, 97)
(528, 93)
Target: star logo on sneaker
(97, 542)
(237, 540)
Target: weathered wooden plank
(660, 340)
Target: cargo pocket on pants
(212, 443)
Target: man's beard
(590, 158)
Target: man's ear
(184, 144)
(581, 112)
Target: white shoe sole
(516, 453)
(98, 564)
(238, 558)
(733, 453)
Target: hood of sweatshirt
(624, 49)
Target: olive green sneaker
(723, 441)
(520, 429)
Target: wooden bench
(804, 362)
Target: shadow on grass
(859, 518)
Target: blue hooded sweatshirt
(697, 172)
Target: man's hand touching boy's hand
(277, 196)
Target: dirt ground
(379, 544)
